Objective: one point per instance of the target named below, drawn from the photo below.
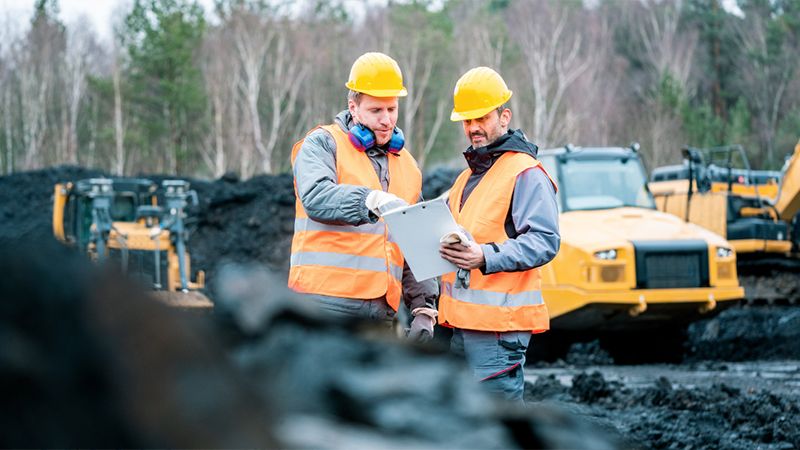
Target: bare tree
(76, 67)
(478, 39)
(119, 126)
(669, 54)
(766, 75)
(252, 35)
(554, 56)
(217, 67)
(7, 90)
(282, 84)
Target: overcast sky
(99, 12)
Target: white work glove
(454, 237)
(380, 202)
(422, 326)
(461, 236)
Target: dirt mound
(86, 361)
(747, 333)
(26, 204)
(238, 221)
(435, 182)
(243, 221)
(663, 416)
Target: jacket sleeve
(418, 294)
(323, 198)
(535, 215)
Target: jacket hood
(481, 159)
(344, 120)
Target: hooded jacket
(532, 221)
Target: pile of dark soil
(745, 334)
(662, 416)
(87, 361)
(242, 221)
(235, 221)
(26, 201)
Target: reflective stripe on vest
(346, 261)
(360, 262)
(504, 301)
(306, 224)
(491, 298)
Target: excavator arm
(788, 202)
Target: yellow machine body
(73, 223)
(643, 285)
(724, 204)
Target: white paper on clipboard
(417, 230)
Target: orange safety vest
(360, 262)
(503, 301)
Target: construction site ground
(262, 371)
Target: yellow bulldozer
(756, 210)
(122, 218)
(625, 267)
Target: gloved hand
(422, 326)
(380, 202)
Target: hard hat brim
(380, 92)
(477, 113)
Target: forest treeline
(181, 90)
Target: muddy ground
(738, 385)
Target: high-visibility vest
(503, 301)
(360, 262)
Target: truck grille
(671, 264)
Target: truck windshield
(588, 184)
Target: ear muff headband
(363, 139)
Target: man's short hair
(501, 108)
(354, 96)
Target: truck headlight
(724, 252)
(607, 255)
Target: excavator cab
(123, 197)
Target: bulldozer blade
(185, 300)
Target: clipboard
(417, 230)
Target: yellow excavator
(623, 265)
(121, 218)
(756, 210)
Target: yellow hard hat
(477, 92)
(377, 75)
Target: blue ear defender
(397, 141)
(363, 139)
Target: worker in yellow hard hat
(506, 203)
(346, 175)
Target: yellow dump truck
(624, 265)
(757, 211)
